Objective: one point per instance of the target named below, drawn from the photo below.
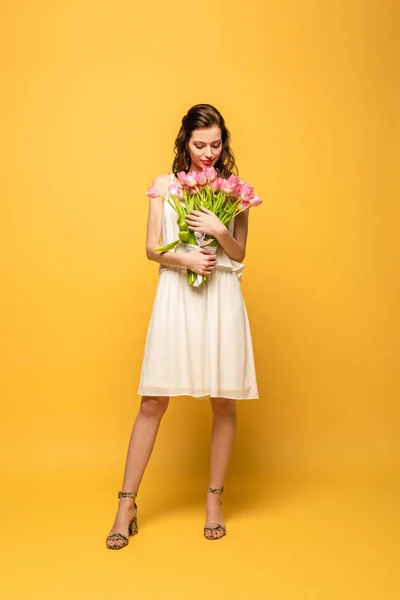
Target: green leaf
(167, 247)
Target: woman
(198, 342)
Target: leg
(141, 444)
(222, 438)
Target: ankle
(126, 503)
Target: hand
(204, 221)
(201, 261)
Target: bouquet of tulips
(224, 197)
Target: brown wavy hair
(201, 116)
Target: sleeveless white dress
(198, 341)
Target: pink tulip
(216, 184)
(232, 186)
(191, 180)
(211, 174)
(235, 179)
(182, 178)
(245, 204)
(176, 190)
(247, 192)
(237, 191)
(221, 181)
(255, 201)
(152, 192)
(201, 177)
(227, 186)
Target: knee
(224, 407)
(153, 406)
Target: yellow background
(93, 94)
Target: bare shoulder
(161, 182)
(242, 217)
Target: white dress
(198, 342)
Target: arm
(235, 246)
(202, 261)
(154, 234)
(205, 221)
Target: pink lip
(207, 162)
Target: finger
(194, 212)
(204, 209)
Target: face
(205, 147)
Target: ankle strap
(215, 490)
(127, 494)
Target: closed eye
(214, 146)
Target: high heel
(132, 527)
(211, 527)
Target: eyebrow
(201, 141)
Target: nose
(209, 153)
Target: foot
(214, 516)
(126, 511)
